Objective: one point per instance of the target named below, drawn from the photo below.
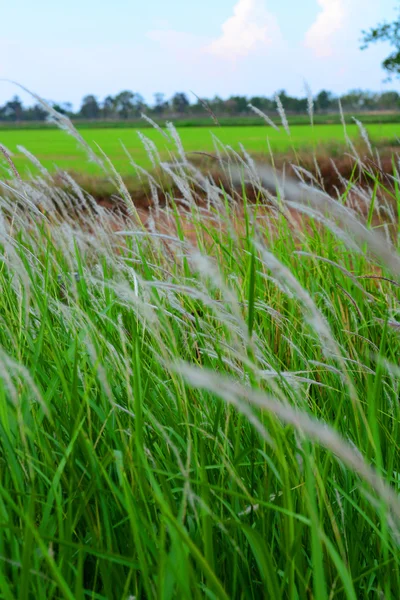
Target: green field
(55, 147)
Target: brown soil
(332, 170)
(332, 175)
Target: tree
(128, 104)
(139, 105)
(386, 32)
(240, 104)
(358, 100)
(108, 107)
(389, 101)
(65, 108)
(291, 104)
(262, 103)
(123, 103)
(160, 104)
(13, 110)
(90, 108)
(324, 100)
(180, 103)
(230, 106)
(217, 105)
(35, 113)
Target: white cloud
(250, 27)
(320, 38)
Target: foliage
(180, 103)
(128, 106)
(90, 108)
(386, 32)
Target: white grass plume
(310, 102)
(364, 134)
(264, 116)
(239, 396)
(178, 142)
(324, 204)
(282, 114)
(150, 148)
(155, 125)
(35, 161)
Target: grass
(55, 148)
(205, 405)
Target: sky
(63, 51)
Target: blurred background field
(56, 149)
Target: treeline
(128, 105)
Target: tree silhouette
(386, 32)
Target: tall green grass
(205, 406)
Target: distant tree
(262, 103)
(230, 106)
(139, 105)
(240, 104)
(236, 105)
(202, 108)
(13, 110)
(299, 105)
(160, 104)
(291, 103)
(352, 100)
(180, 103)
(65, 108)
(386, 32)
(369, 100)
(90, 108)
(35, 113)
(108, 107)
(358, 100)
(123, 103)
(127, 104)
(389, 101)
(217, 105)
(324, 100)
(199, 107)
(257, 101)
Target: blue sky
(65, 50)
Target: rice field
(202, 403)
(55, 148)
